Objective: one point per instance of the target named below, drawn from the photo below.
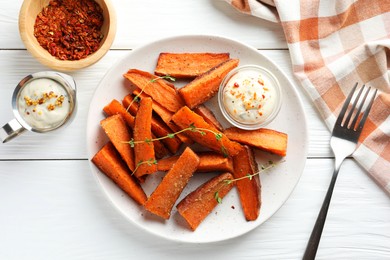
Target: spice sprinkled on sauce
(43, 103)
(250, 97)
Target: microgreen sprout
(137, 97)
(192, 128)
(247, 176)
(163, 77)
(149, 162)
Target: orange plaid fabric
(334, 44)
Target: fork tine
(345, 106)
(346, 122)
(365, 115)
(357, 115)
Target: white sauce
(43, 103)
(250, 97)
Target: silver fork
(343, 142)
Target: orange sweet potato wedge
(115, 107)
(163, 198)
(164, 114)
(208, 162)
(264, 139)
(208, 116)
(118, 133)
(160, 90)
(159, 128)
(157, 108)
(109, 162)
(249, 189)
(205, 134)
(160, 150)
(144, 151)
(183, 137)
(205, 86)
(197, 205)
(188, 65)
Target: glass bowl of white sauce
(250, 97)
(42, 102)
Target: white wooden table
(52, 208)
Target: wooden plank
(65, 206)
(226, 21)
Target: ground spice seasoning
(70, 29)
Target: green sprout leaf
(227, 182)
(218, 136)
(163, 77)
(131, 142)
(192, 127)
(247, 176)
(202, 133)
(217, 197)
(224, 151)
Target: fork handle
(312, 245)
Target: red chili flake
(236, 85)
(70, 29)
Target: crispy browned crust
(264, 139)
(197, 205)
(188, 65)
(118, 133)
(206, 85)
(185, 118)
(108, 161)
(144, 151)
(208, 116)
(209, 162)
(168, 191)
(249, 189)
(160, 90)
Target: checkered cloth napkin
(334, 44)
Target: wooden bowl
(28, 13)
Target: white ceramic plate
(227, 220)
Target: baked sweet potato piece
(208, 116)
(164, 114)
(249, 189)
(115, 107)
(264, 139)
(205, 86)
(209, 162)
(205, 134)
(163, 198)
(197, 205)
(160, 150)
(157, 108)
(144, 151)
(159, 128)
(188, 65)
(118, 133)
(160, 90)
(109, 162)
